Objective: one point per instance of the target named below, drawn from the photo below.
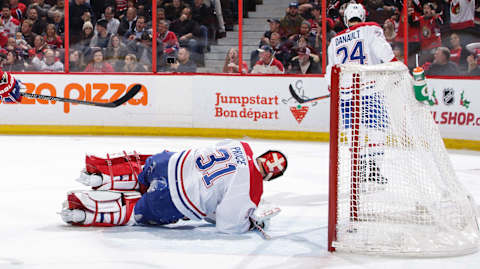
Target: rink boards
(222, 106)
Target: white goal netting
(397, 192)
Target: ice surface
(37, 171)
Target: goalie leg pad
(99, 208)
(113, 173)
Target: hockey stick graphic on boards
(129, 95)
(303, 100)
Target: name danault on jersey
(347, 37)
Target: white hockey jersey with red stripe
(363, 43)
(222, 183)
(462, 13)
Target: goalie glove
(9, 88)
(260, 219)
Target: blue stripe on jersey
(178, 186)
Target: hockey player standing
(362, 43)
(221, 184)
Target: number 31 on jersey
(214, 166)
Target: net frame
(349, 215)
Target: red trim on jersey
(370, 23)
(462, 25)
(183, 187)
(256, 179)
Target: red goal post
(392, 187)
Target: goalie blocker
(169, 186)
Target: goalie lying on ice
(221, 184)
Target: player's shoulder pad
(358, 25)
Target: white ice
(37, 172)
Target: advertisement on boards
(456, 107)
(263, 103)
(152, 106)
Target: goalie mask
(274, 164)
(354, 11)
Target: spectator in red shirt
(98, 65)
(458, 53)
(168, 39)
(53, 40)
(430, 37)
(232, 60)
(18, 10)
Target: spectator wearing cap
(76, 11)
(274, 27)
(290, 24)
(441, 66)
(98, 65)
(102, 37)
(48, 63)
(86, 36)
(267, 64)
(305, 32)
(304, 63)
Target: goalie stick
(303, 100)
(129, 95)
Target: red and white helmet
(274, 163)
(354, 11)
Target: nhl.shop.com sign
(455, 107)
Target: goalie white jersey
(363, 43)
(221, 183)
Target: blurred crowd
(443, 35)
(117, 35)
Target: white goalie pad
(104, 182)
(99, 208)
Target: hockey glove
(9, 89)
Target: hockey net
(393, 189)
